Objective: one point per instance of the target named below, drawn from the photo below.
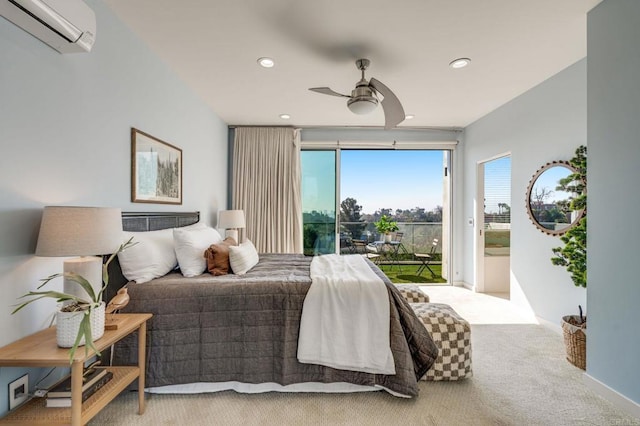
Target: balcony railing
(417, 236)
(321, 238)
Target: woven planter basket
(68, 324)
(575, 340)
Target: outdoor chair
(384, 252)
(370, 251)
(359, 246)
(427, 258)
(397, 239)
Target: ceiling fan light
(362, 105)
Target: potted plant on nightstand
(80, 321)
(385, 226)
(573, 256)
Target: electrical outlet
(18, 391)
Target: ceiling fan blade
(393, 111)
(327, 91)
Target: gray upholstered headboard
(145, 221)
(142, 222)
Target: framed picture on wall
(156, 170)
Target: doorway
(493, 226)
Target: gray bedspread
(245, 329)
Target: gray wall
(544, 124)
(613, 343)
(65, 136)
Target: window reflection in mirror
(548, 206)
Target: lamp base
(233, 233)
(90, 268)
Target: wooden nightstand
(41, 350)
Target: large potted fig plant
(573, 256)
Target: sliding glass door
(407, 186)
(346, 191)
(319, 201)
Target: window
(319, 201)
(497, 207)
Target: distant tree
(317, 225)
(309, 235)
(350, 212)
(317, 217)
(435, 215)
(553, 215)
(419, 214)
(540, 195)
(382, 212)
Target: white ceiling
(213, 46)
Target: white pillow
(190, 245)
(197, 225)
(152, 257)
(243, 257)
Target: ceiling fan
(364, 98)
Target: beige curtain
(266, 185)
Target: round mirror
(547, 204)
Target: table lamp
(231, 220)
(80, 231)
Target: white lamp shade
(79, 231)
(231, 219)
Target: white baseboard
(463, 284)
(620, 401)
(557, 328)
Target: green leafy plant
(385, 225)
(573, 255)
(77, 304)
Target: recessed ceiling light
(285, 116)
(460, 63)
(409, 117)
(266, 62)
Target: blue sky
(549, 180)
(376, 179)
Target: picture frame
(156, 170)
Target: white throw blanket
(345, 317)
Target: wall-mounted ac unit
(69, 26)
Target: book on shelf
(63, 387)
(65, 401)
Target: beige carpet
(520, 378)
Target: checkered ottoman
(452, 335)
(412, 293)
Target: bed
(212, 333)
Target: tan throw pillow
(217, 256)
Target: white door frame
(478, 230)
(478, 224)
